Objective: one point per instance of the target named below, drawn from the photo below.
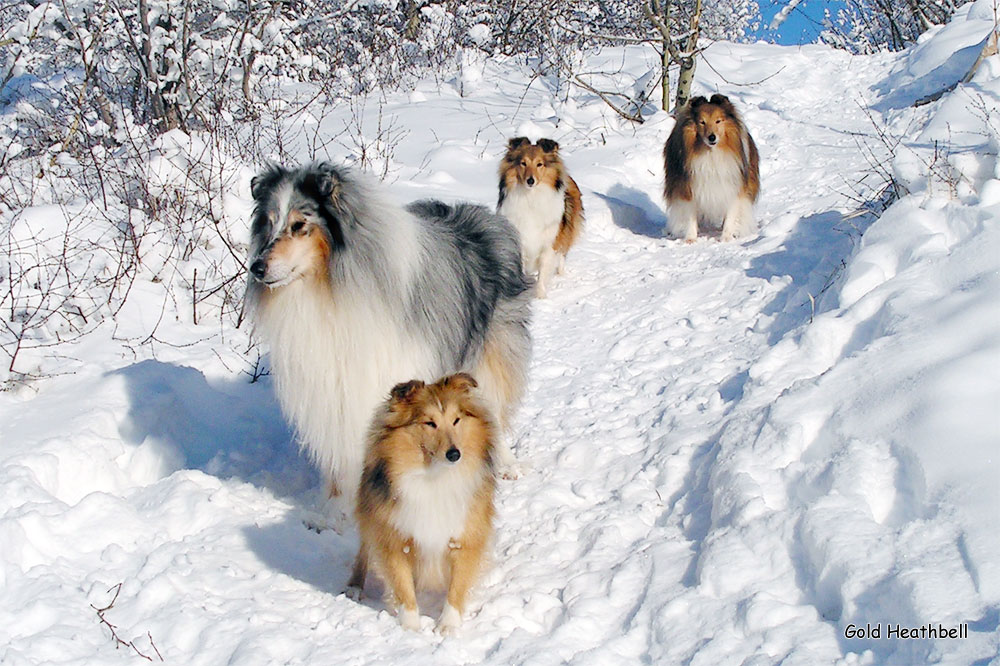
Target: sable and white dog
(538, 196)
(425, 505)
(712, 172)
(354, 294)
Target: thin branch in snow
(119, 642)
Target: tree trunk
(688, 62)
(665, 78)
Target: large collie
(538, 196)
(425, 505)
(354, 294)
(711, 166)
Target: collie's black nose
(712, 139)
(531, 181)
(258, 269)
(453, 454)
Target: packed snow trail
(699, 489)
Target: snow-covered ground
(736, 451)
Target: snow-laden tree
(866, 26)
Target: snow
(734, 450)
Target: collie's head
(438, 425)
(298, 224)
(714, 123)
(529, 165)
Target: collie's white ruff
(317, 341)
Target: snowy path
(691, 497)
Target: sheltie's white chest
(432, 505)
(716, 182)
(536, 213)
(432, 508)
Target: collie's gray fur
(412, 293)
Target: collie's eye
(539, 165)
(298, 227)
(523, 163)
(430, 424)
(455, 422)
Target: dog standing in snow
(712, 171)
(541, 200)
(354, 294)
(425, 504)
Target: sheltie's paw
(409, 619)
(728, 235)
(450, 621)
(353, 592)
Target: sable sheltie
(425, 504)
(538, 196)
(354, 294)
(711, 166)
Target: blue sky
(801, 26)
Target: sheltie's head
(437, 424)
(703, 126)
(528, 164)
(432, 427)
(714, 123)
(297, 223)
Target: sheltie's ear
(695, 102)
(326, 180)
(404, 392)
(548, 145)
(462, 381)
(723, 102)
(517, 142)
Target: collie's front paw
(354, 593)
(509, 468)
(450, 621)
(409, 619)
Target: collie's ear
(462, 381)
(264, 181)
(548, 145)
(404, 391)
(721, 100)
(517, 142)
(327, 180)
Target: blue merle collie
(354, 294)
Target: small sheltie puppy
(425, 504)
(712, 173)
(354, 294)
(538, 196)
